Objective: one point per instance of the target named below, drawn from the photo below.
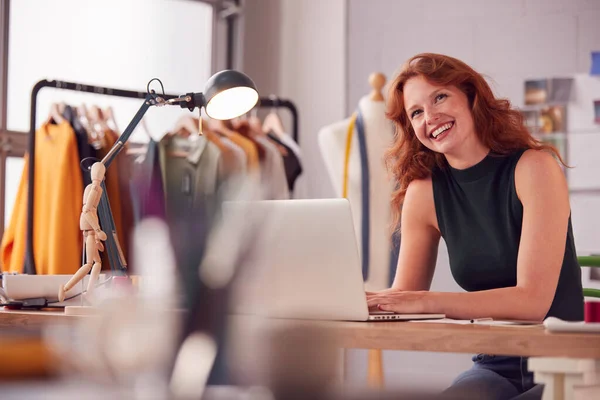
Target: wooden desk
(438, 337)
(413, 336)
(554, 352)
(560, 361)
(33, 319)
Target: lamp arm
(120, 143)
(189, 101)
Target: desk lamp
(227, 94)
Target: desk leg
(560, 375)
(342, 371)
(375, 369)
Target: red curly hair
(497, 125)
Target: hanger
(54, 115)
(220, 127)
(109, 116)
(145, 128)
(186, 126)
(97, 119)
(255, 124)
(95, 139)
(272, 122)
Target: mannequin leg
(93, 255)
(93, 278)
(83, 271)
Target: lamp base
(81, 310)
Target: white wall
(296, 50)
(120, 44)
(509, 41)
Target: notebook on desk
(304, 262)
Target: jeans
(495, 378)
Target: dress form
(379, 136)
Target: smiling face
(442, 120)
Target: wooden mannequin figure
(379, 134)
(93, 236)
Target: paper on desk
(485, 321)
(553, 324)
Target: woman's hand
(399, 301)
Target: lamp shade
(229, 94)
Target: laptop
(301, 261)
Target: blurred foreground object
(24, 355)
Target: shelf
(553, 135)
(539, 107)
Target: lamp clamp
(193, 100)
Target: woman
(468, 170)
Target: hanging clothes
(291, 162)
(58, 201)
(240, 160)
(84, 148)
(190, 172)
(233, 186)
(273, 173)
(123, 167)
(229, 163)
(146, 185)
(251, 152)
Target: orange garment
(249, 148)
(58, 199)
(227, 162)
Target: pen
(475, 320)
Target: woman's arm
(419, 238)
(419, 241)
(542, 189)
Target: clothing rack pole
(29, 267)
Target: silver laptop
(301, 261)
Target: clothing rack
(29, 267)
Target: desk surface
(413, 336)
(442, 337)
(32, 319)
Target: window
(113, 43)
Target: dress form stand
(379, 135)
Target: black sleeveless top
(480, 218)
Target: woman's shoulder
(419, 186)
(419, 201)
(532, 160)
(537, 169)
(420, 192)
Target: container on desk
(592, 311)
